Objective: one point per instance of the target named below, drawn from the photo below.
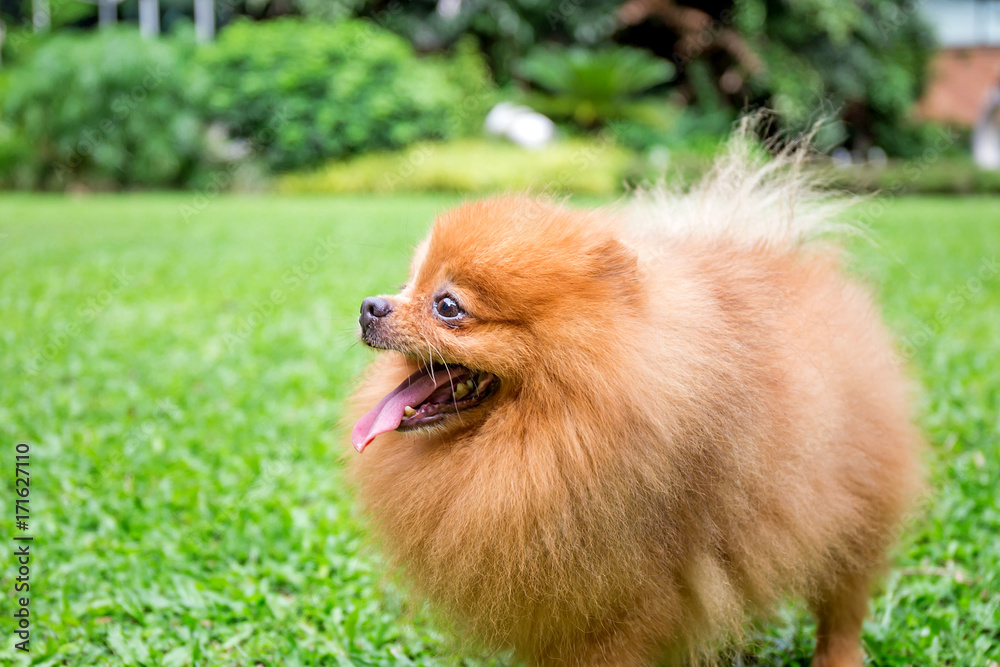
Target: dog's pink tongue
(387, 415)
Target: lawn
(177, 365)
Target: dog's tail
(757, 194)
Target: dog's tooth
(460, 391)
(408, 411)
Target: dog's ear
(613, 260)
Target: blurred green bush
(592, 166)
(109, 109)
(303, 92)
(102, 109)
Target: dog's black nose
(373, 308)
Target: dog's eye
(447, 307)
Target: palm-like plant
(592, 87)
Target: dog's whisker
(430, 357)
(451, 380)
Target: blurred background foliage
(295, 86)
(109, 109)
(303, 92)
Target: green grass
(186, 502)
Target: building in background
(964, 85)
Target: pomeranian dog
(614, 437)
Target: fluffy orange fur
(698, 415)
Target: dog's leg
(840, 611)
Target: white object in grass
(521, 125)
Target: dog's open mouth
(431, 394)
